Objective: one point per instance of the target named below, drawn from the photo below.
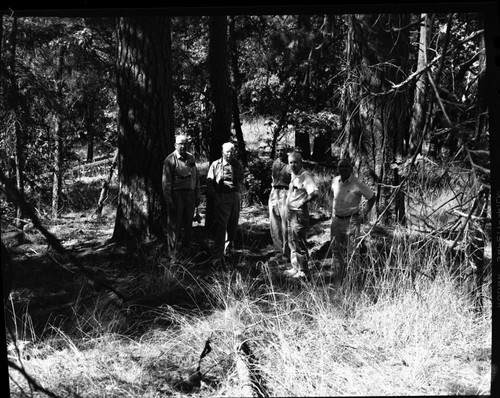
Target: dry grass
(314, 339)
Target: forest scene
(96, 305)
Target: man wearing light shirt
(225, 182)
(277, 204)
(347, 217)
(301, 191)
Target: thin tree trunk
(236, 84)
(90, 143)
(105, 186)
(302, 140)
(482, 98)
(476, 247)
(15, 117)
(435, 80)
(57, 172)
(418, 115)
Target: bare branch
(438, 97)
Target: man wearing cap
(301, 190)
(225, 181)
(181, 190)
(346, 214)
(280, 175)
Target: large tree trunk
(145, 124)
(219, 85)
(418, 114)
(377, 116)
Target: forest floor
(47, 285)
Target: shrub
(259, 180)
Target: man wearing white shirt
(225, 182)
(301, 191)
(347, 217)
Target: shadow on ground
(50, 289)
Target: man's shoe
(290, 272)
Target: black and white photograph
(238, 201)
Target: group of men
(293, 188)
(181, 189)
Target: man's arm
(368, 207)
(197, 190)
(211, 180)
(312, 191)
(310, 196)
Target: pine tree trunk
(219, 85)
(377, 117)
(145, 125)
(236, 84)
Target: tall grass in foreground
(399, 331)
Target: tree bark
(219, 85)
(418, 114)
(302, 140)
(236, 85)
(57, 172)
(105, 186)
(90, 140)
(145, 124)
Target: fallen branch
(251, 382)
